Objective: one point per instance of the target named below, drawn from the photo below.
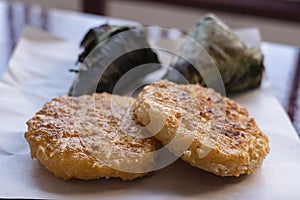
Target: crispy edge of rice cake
(223, 138)
(71, 137)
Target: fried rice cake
(207, 130)
(91, 137)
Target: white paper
(38, 71)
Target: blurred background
(278, 20)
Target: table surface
(282, 62)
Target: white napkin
(38, 71)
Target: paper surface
(38, 71)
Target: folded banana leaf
(109, 53)
(241, 67)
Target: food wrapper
(38, 72)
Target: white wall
(175, 16)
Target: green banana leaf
(241, 67)
(109, 53)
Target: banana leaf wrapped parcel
(241, 67)
(111, 51)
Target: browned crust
(58, 135)
(221, 127)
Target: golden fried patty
(90, 137)
(207, 130)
